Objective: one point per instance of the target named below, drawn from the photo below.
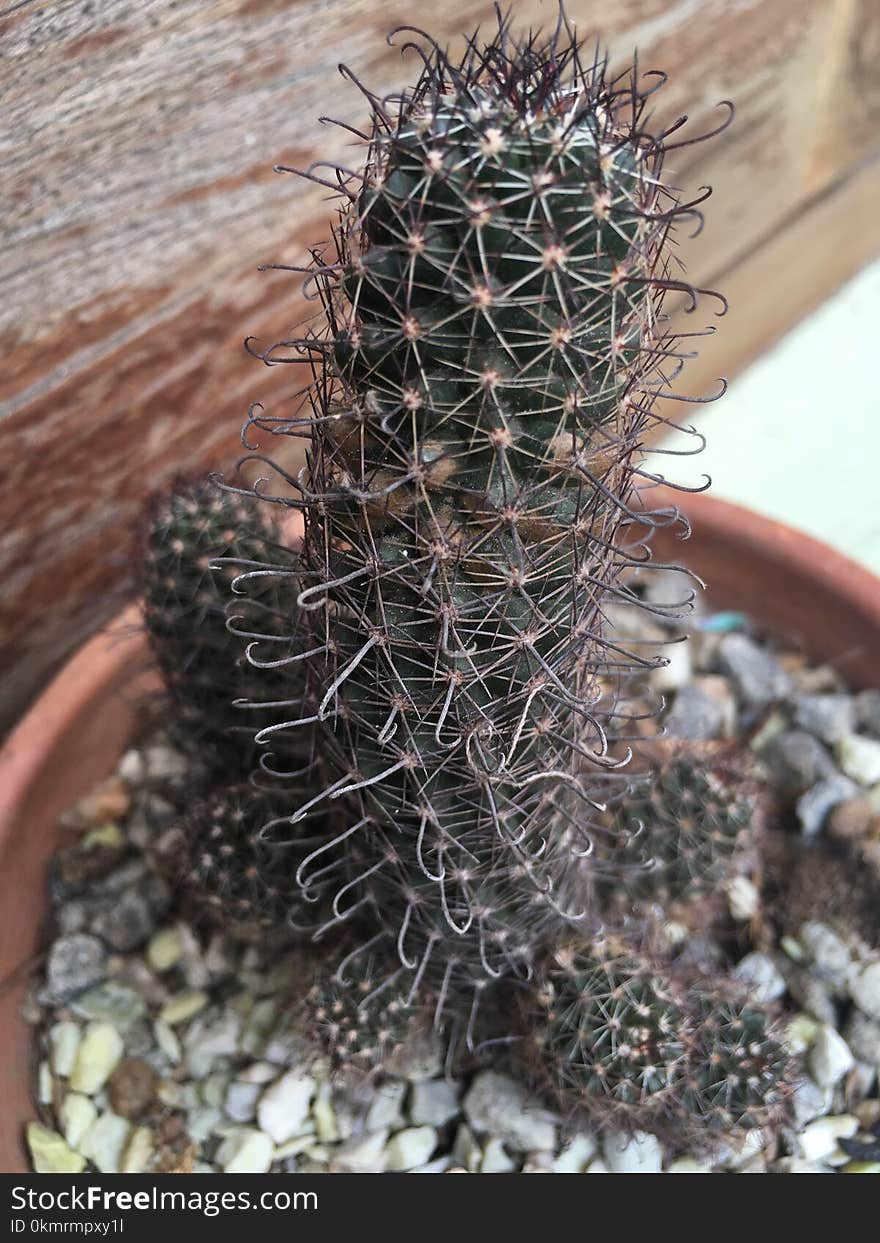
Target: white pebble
(241, 1101)
(576, 1154)
(165, 949)
(386, 1107)
(743, 898)
(245, 1151)
(864, 988)
(433, 1102)
(499, 1105)
(50, 1153)
(104, 1142)
(64, 1040)
(687, 1165)
(636, 1153)
(818, 1140)
(76, 1115)
(859, 757)
(829, 1057)
(138, 1151)
(762, 977)
(97, 1057)
(496, 1159)
(284, 1106)
(410, 1148)
(363, 1154)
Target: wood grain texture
(137, 139)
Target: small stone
(139, 1151)
(698, 715)
(132, 1087)
(105, 1141)
(97, 1057)
(168, 1042)
(864, 988)
(127, 922)
(75, 963)
(466, 1152)
(576, 1154)
(50, 1153)
(829, 717)
(245, 1151)
(809, 1101)
(632, 1153)
(818, 1140)
(499, 1105)
(852, 819)
(597, 1166)
(110, 1002)
(108, 801)
(386, 1107)
(496, 1159)
(762, 977)
(687, 1165)
(757, 676)
(258, 1072)
(868, 713)
(800, 1033)
(743, 898)
(64, 1041)
(433, 1102)
(165, 949)
(76, 1115)
(325, 1115)
(163, 763)
(859, 757)
(828, 952)
(796, 761)
(241, 1100)
(861, 1167)
(213, 1035)
(863, 1037)
(284, 1105)
(829, 1058)
(131, 768)
(183, 1007)
(814, 806)
(363, 1154)
(676, 671)
(409, 1148)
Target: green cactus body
(683, 829)
(488, 363)
(199, 539)
(741, 1068)
(236, 878)
(611, 1035)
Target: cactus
(616, 1032)
(683, 829)
(234, 876)
(609, 1034)
(488, 361)
(740, 1068)
(198, 540)
(362, 1018)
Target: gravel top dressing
(166, 1046)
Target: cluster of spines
(488, 361)
(361, 1018)
(682, 829)
(198, 538)
(614, 1031)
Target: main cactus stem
(488, 362)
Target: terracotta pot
(78, 728)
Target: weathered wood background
(137, 139)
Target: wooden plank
(136, 146)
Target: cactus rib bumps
(488, 357)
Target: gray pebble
(500, 1106)
(868, 713)
(75, 963)
(796, 761)
(829, 717)
(829, 952)
(809, 1101)
(863, 1037)
(864, 988)
(758, 678)
(125, 923)
(763, 978)
(812, 994)
(829, 1057)
(813, 807)
(433, 1102)
(695, 715)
